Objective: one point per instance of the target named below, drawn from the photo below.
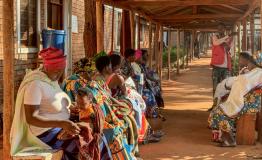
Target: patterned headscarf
(84, 65)
(87, 65)
(258, 59)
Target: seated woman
(119, 90)
(42, 109)
(84, 69)
(126, 67)
(121, 112)
(241, 100)
(152, 80)
(224, 87)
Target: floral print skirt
(217, 120)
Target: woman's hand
(71, 127)
(74, 108)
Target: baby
(91, 124)
(92, 118)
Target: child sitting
(92, 117)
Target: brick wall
(78, 50)
(108, 12)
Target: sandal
(227, 144)
(152, 139)
(158, 134)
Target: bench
(39, 155)
(246, 129)
(247, 126)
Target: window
(55, 14)
(118, 25)
(142, 32)
(28, 23)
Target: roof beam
(182, 2)
(198, 16)
(252, 6)
(232, 8)
(194, 10)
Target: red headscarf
(53, 58)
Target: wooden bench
(39, 155)
(259, 123)
(247, 126)
(246, 129)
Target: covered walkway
(187, 100)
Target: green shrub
(173, 56)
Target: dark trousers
(218, 75)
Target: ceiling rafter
(182, 2)
(198, 16)
(232, 8)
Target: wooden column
(90, 40)
(239, 37)
(244, 37)
(169, 53)
(187, 49)
(138, 32)
(156, 47)
(132, 28)
(178, 51)
(234, 45)
(150, 53)
(8, 73)
(99, 26)
(113, 29)
(125, 31)
(191, 46)
(161, 52)
(252, 30)
(261, 29)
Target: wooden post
(261, 27)
(138, 31)
(161, 52)
(239, 37)
(244, 38)
(156, 47)
(99, 26)
(150, 53)
(8, 73)
(234, 45)
(178, 51)
(191, 46)
(252, 30)
(187, 50)
(113, 29)
(90, 40)
(169, 53)
(132, 27)
(125, 31)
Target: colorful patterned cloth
(126, 69)
(219, 121)
(72, 84)
(120, 120)
(94, 116)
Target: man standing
(221, 57)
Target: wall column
(161, 52)
(178, 51)
(99, 26)
(8, 73)
(150, 53)
(169, 53)
(252, 30)
(244, 37)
